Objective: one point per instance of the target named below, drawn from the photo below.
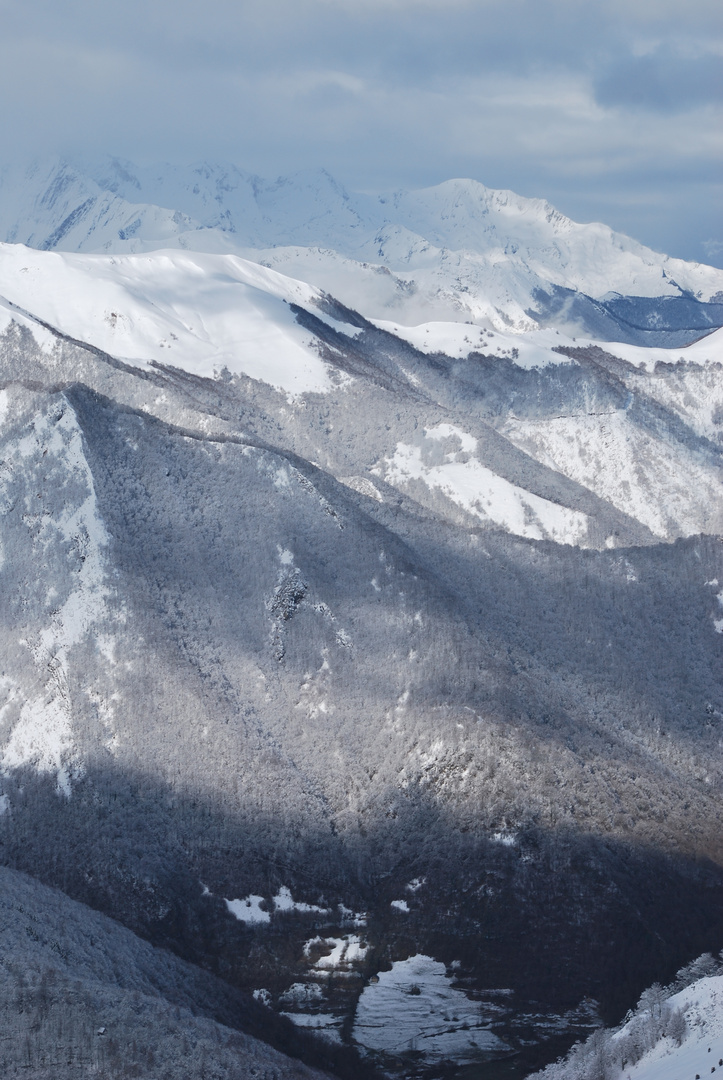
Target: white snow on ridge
(455, 251)
(198, 312)
(478, 490)
(706, 350)
(464, 215)
(528, 348)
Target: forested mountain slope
(321, 659)
(80, 996)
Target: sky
(610, 109)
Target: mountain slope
(587, 449)
(669, 1035)
(369, 666)
(201, 313)
(79, 994)
(291, 655)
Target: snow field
(202, 313)
(414, 1007)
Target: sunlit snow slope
(672, 1038)
(702, 1048)
(202, 313)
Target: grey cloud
(662, 82)
(407, 41)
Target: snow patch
(283, 901)
(467, 442)
(363, 486)
(352, 918)
(286, 557)
(249, 910)
(339, 953)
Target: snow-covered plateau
(361, 611)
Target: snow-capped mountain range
(361, 610)
(458, 251)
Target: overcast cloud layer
(612, 110)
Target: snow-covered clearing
(415, 1007)
(442, 463)
(284, 901)
(338, 954)
(249, 910)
